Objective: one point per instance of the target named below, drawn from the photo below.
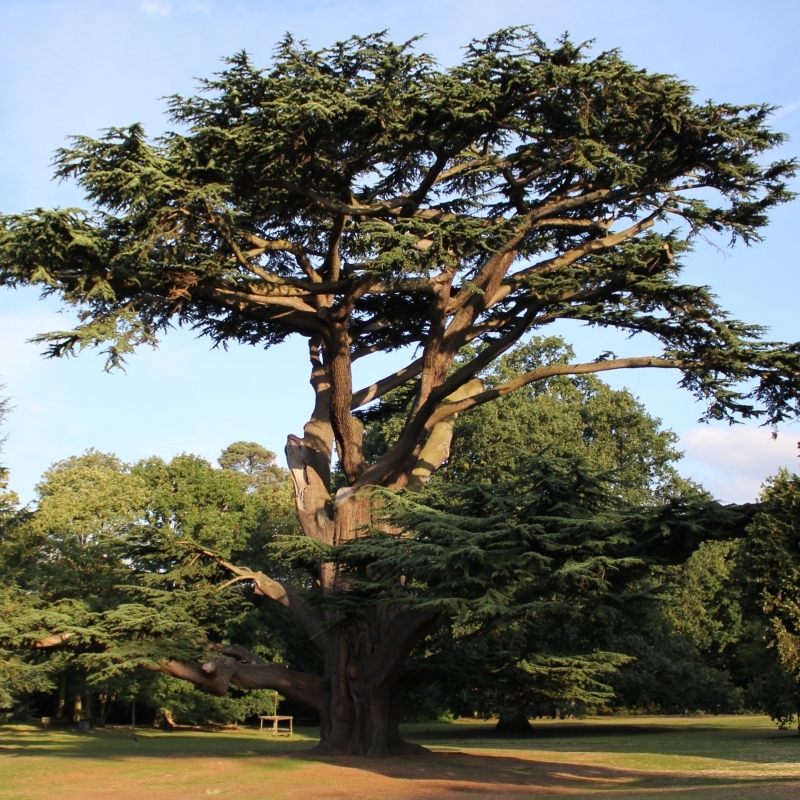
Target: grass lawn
(735, 758)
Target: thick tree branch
(347, 429)
(278, 298)
(242, 303)
(384, 385)
(592, 367)
(393, 462)
(237, 651)
(436, 449)
(219, 672)
(333, 261)
(282, 593)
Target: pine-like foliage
(505, 562)
(771, 560)
(343, 181)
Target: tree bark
(357, 696)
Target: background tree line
(108, 571)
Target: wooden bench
(276, 720)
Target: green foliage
(771, 561)
(610, 430)
(8, 500)
(703, 599)
(531, 573)
(773, 555)
(668, 674)
(184, 705)
(559, 559)
(18, 677)
(252, 460)
(104, 572)
(363, 169)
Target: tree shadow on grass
(497, 775)
(110, 744)
(745, 744)
(509, 776)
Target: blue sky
(74, 67)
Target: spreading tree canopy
(371, 201)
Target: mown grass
(706, 758)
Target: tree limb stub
(52, 640)
(282, 593)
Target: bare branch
(299, 253)
(282, 593)
(288, 301)
(374, 209)
(550, 371)
(384, 385)
(568, 258)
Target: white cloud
(733, 463)
(785, 110)
(155, 8)
(202, 7)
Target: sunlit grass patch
(730, 758)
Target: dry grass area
(711, 758)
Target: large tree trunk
(363, 667)
(357, 696)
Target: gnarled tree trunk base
(327, 749)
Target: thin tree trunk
(77, 708)
(105, 703)
(62, 697)
(87, 706)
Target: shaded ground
(709, 759)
